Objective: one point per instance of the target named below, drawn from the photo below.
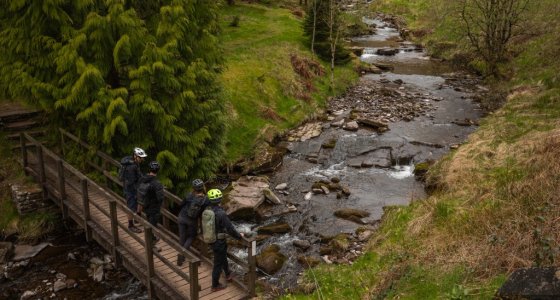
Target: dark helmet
(215, 196)
(198, 184)
(154, 166)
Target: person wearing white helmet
(130, 175)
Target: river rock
(266, 159)
(351, 126)
(325, 190)
(281, 186)
(338, 123)
(345, 191)
(340, 243)
(335, 180)
(308, 261)
(383, 66)
(98, 273)
(27, 295)
(532, 283)
(375, 124)
(71, 283)
(326, 260)
(351, 214)
(23, 252)
(59, 285)
(271, 197)
(6, 251)
(355, 162)
(302, 244)
(324, 250)
(270, 260)
(280, 227)
(387, 52)
(364, 236)
(329, 144)
(308, 196)
(246, 196)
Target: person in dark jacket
(223, 227)
(130, 175)
(191, 210)
(150, 195)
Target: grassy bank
(496, 206)
(30, 227)
(264, 93)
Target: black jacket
(223, 224)
(150, 194)
(131, 173)
(186, 204)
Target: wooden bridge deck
(103, 215)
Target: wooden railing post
(252, 272)
(115, 232)
(165, 220)
(193, 271)
(23, 145)
(62, 142)
(148, 238)
(85, 202)
(61, 187)
(41, 161)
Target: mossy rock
(281, 227)
(325, 250)
(334, 186)
(351, 214)
(335, 180)
(308, 261)
(340, 243)
(329, 144)
(270, 260)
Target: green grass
(259, 75)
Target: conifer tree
(122, 73)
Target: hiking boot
(218, 288)
(180, 260)
(134, 229)
(230, 277)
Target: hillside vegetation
(496, 205)
(265, 94)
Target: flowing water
(427, 137)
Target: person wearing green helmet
(223, 226)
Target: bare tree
(334, 34)
(490, 25)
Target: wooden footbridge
(102, 212)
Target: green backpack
(208, 226)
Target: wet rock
(22, 252)
(355, 162)
(59, 285)
(98, 273)
(351, 214)
(71, 256)
(338, 195)
(398, 81)
(329, 144)
(357, 50)
(338, 123)
(6, 251)
(308, 261)
(335, 180)
(383, 66)
(281, 186)
(421, 169)
(532, 283)
(308, 196)
(317, 191)
(365, 235)
(246, 196)
(326, 260)
(71, 283)
(271, 197)
(96, 261)
(387, 52)
(334, 186)
(270, 260)
(465, 122)
(325, 190)
(280, 227)
(27, 295)
(266, 159)
(351, 126)
(375, 124)
(369, 69)
(107, 259)
(60, 276)
(345, 191)
(302, 244)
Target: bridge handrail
(249, 266)
(115, 202)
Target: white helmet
(140, 152)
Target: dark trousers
(220, 261)
(153, 218)
(187, 233)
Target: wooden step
(20, 126)
(35, 133)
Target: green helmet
(214, 195)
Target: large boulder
(387, 51)
(532, 283)
(351, 214)
(270, 260)
(267, 159)
(246, 195)
(280, 227)
(378, 125)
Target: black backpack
(142, 192)
(193, 211)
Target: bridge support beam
(62, 188)
(115, 233)
(148, 245)
(85, 203)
